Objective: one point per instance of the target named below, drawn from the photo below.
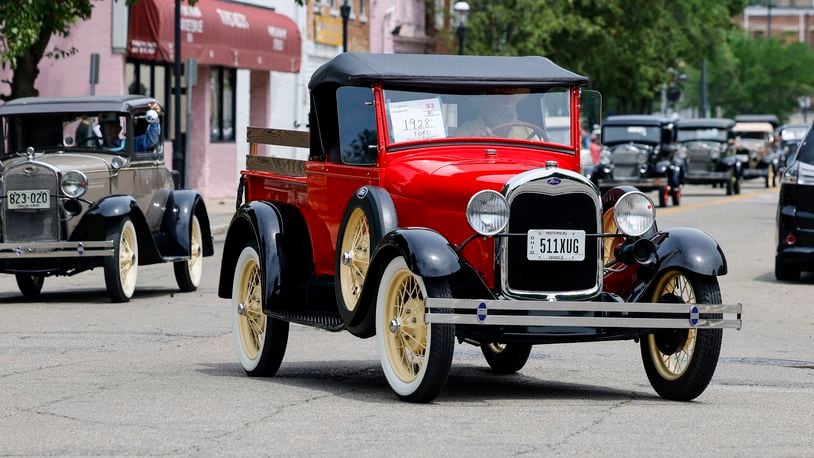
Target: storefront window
(222, 93)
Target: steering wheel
(536, 130)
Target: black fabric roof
(639, 120)
(720, 123)
(439, 70)
(121, 104)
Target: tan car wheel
(188, 273)
(260, 341)
(121, 269)
(415, 356)
(680, 362)
(355, 258)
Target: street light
(344, 11)
(461, 10)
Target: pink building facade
(399, 26)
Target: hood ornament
(30, 153)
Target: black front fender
(427, 253)
(180, 207)
(683, 248)
(258, 222)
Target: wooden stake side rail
(278, 137)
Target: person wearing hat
(111, 128)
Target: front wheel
(188, 273)
(675, 193)
(415, 356)
(680, 362)
(260, 341)
(30, 285)
(121, 269)
(663, 194)
(506, 358)
(770, 179)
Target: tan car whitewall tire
(188, 273)
(121, 269)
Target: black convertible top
(439, 70)
(638, 120)
(79, 104)
(701, 123)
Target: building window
(222, 90)
(154, 79)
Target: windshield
(718, 135)
(752, 135)
(104, 132)
(617, 134)
(793, 133)
(542, 116)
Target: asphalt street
(159, 375)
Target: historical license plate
(21, 200)
(555, 245)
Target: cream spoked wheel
(259, 353)
(415, 356)
(355, 257)
(121, 269)
(188, 273)
(680, 362)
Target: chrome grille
(551, 199)
(31, 225)
(625, 160)
(699, 158)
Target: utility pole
(177, 153)
(344, 11)
(769, 5)
(703, 88)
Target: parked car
(419, 219)
(754, 144)
(639, 150)
(707, 149)
(788, 138)
(84, 185)
(795, 214)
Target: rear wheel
(730, 185)
(415, 356)
(680, 362)
(30, 285)
(121, 269)
(506, 358)
(260, 341)
(785, 271)
(188, 273)
(770, 179)
(736, 186)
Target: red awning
(216, 32)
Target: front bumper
(638, 315)
(30, 250)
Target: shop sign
(328, 30)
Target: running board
(323, 320)
(605, 314)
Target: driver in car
(111, 129)
(497, 117)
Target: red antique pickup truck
(437, 206)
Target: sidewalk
(220, 213)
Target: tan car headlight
(634, 213)
(74, 184)
(487, 212)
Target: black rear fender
(175, 226)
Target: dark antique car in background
(755, 147)
(84, 185)
(639, 150)
(707, 149)
(795, 214)
(435, 206)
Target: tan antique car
(84, 185)
(754, 144)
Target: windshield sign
(714, 134)
(617, 134)
(541, 117)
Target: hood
(452, 179)
(65, 162)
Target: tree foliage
(628, 48)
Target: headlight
(634, 213)
(605, 157)
(74, 184)
(642, 158)
(487, 212)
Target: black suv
(640, 150)
(795, 214)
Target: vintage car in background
(707, 149)
(795, 214)
(84, 185)
(788, 138)
(755, 147)
(435, 207)
(640, 151)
